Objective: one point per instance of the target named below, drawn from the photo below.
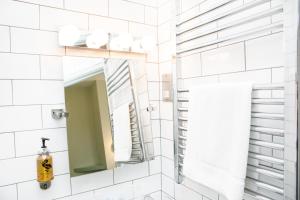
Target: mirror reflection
(109, 117)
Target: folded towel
(218, 137)
(122, 133)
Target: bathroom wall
(262, 58)
(31, 85)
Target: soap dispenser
(44, 166)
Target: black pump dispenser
(44, 142)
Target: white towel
(218, 137)
(122, 133)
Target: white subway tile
(6, 92)
(38, 92)
(166, 110)
(167, 129)
(265, 52)
(28, 142)
(51, 67)
(19, 66)
(151, 16)
(4, 39)
(166, 51)
(12, 172)
(182, 193)
(185, 5)
(165, 12)
(155, 165)
(82, 196)
(223, 60)
(7, 146)
(155, 195)
(152, 72)
(157, 146)
(14, 13)
(167, 167)
(60, 187)
(126, 10)
(190, 66)
(48, 121)
(201, 189)
(89, 6)
(153, 90)
(278, 75)
(36, 42)
(164, 32)
(256, 76)
(52, 3)
(54, 19)
(142, 30)
(107, 24)
(168, 185)
(152, 3)
(122, 191)
(155, 126)
(91, 181)
(147, 185)
(16, 118)
(9, 192)
(155, 112)
(167, 148)
(130, 172)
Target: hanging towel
(218, 137)
(122, 133)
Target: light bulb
(97, 39)
(121, 42)
(68, 35)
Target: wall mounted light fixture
(71, 36)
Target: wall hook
(59, 113)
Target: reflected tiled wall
(31, 85)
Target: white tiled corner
(89, 6)
(142, 30)
(128, 172)
(53, 19)
(155, 126)
(166, 110)
(153, 90)
(4, 39)
(92, 181)
(151, 16)
(19, 66)
(37, 42)
(265, 52)
(167, 148)
(147, 185)
(7, 146)
(29, 142)
(14, 13)
(152, 72)
(6, 92)
(48, 120)
(37, 92)
(157, 146)
(155, 165)
(223, 60)
(124, 10)
(168, 185)
(8, 192)
(60, 187)
(19, 118)
(167, 167)
(119, 191)
(167, 129)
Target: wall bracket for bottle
(59, 113)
